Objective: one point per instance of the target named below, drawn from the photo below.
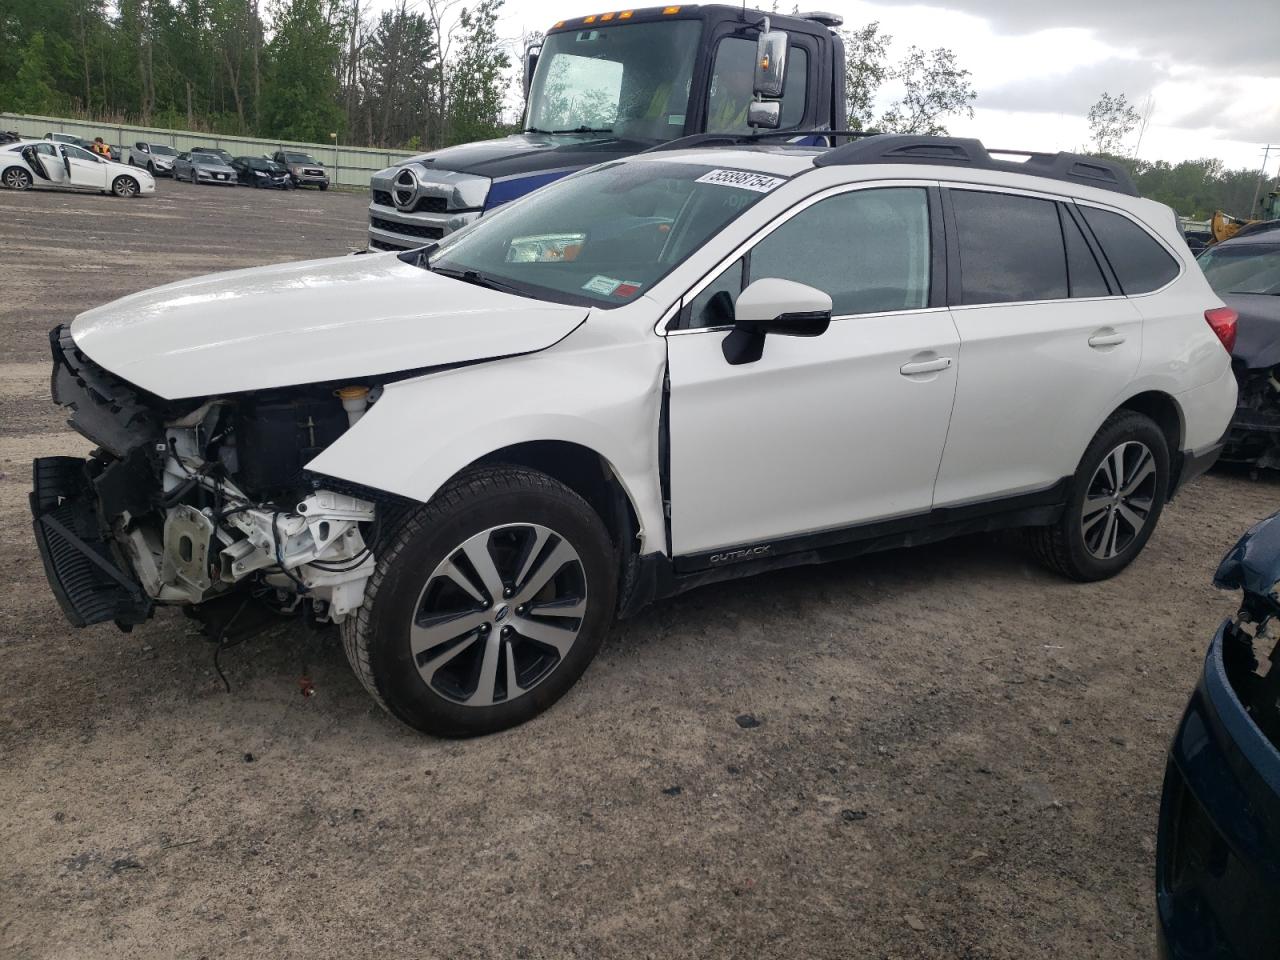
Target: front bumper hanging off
(91, 586)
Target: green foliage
(1111, 119)
(31, 91)
(478, 78)
(300, 87)
(1196, 188)
(934, 85)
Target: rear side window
(1140, 263)
(1082, 267)
(1011, 248)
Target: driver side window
(731, 87)
(868, 249)
(75, 153)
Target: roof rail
(967, 152)
(750, 139)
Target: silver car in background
(203, 168)
(156, 158)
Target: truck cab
(613, 84)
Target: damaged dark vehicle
(1218, 853)
(1245, 272)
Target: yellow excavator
(1224, 226)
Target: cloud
(1076, 90)
(1237, 35)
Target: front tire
(323, 187)
(1116, 498)
(124, 186)
(15, 178)
(487, 604)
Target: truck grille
(383, 198)
(407, 229)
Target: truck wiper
(477, 278)
(574, 130)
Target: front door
(84, 169)
(826, 432)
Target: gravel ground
(939, 752)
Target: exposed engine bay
(184, 502)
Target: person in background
(101, 148)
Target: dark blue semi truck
(613, 84)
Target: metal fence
(351, 166)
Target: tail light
(1222, 321)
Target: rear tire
(15, 178)
(486, 605)
(1117, 495)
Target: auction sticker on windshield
(742, 179)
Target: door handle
(1106, 340)
(924, 366)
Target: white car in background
(157, 158)
(47, 163)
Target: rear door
(820, 433)
(1047, 344)
(46, 162)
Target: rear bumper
(88, 582)
(1218, 847)
(1193, 463)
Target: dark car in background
(261, 172)
(305, 170)
(1245, 272)
(1218, 846)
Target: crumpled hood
(1258, 330)
(1253, 565)
(310, 322)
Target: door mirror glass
(765, 113)
(530, 65)
(771, 63)
(773, 305)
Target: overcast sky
(1211, 68)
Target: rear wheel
(1117, 495)
(15, 178)
(486, 606)
(124, 186)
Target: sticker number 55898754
(742, 179)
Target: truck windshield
(631, 80)
(604, 236)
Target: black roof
(870, 147)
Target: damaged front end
(186, 502)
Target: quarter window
(1011, 248)
(731, 87)
(1140, 263)
(868, 249)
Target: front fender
(422, 432)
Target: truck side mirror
(771, 63)
(530, 64)
(764, 113)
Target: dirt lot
(958, 754)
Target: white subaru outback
(689, 365)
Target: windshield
(604, 236)
(631, 80)
(160, 150)
(298, 158)
(211, 156)
(1245, 268)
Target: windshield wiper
(574, 130)
(475, 277)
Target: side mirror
(530, 65)
(771, 63)
(764, 113)
(773, 305)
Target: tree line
(431, 72)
